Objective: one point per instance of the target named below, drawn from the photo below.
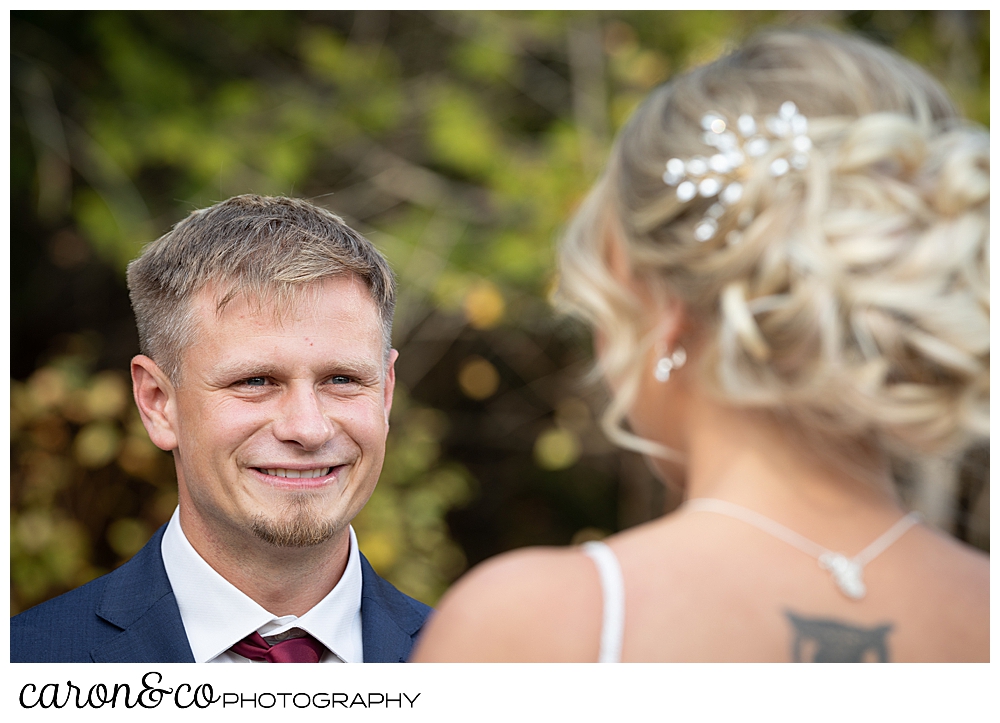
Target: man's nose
(302, 418)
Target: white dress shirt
(216, 615)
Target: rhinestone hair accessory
(722, 174)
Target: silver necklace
(845, 571)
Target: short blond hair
(856, 304)
(256, 247)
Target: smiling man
(266, 370)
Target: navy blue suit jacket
(131, 616)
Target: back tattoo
(828, 641)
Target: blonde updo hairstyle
(855, 304)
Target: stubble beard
(298, 526)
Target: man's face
(281, 421)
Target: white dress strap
(613, 588)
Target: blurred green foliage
(459, 142)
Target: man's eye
(340, 379)
(255, 381)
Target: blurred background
(459, 143)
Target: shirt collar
(216, 614)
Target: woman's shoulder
(938, 592)
(541, 603)
(951, 572)
(961, 571)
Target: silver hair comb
(721, 175)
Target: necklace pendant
(845, 572)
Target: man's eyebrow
(227, 372)
(362, 368)
(245, 369)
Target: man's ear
(390, 383)
(155, 397)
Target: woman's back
(720, 590)
(703, 586)
(785, 265)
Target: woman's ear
(156, 399)
(615, 255)
(671, 317)
(662, 310)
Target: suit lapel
(389, 619)
(138, 599)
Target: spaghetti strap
(613, 589)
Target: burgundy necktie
(306, 649)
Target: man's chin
(299, 531)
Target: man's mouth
(296, 473)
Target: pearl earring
(667, 363)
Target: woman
(786, 268)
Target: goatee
(300, 528)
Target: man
(266, 370)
